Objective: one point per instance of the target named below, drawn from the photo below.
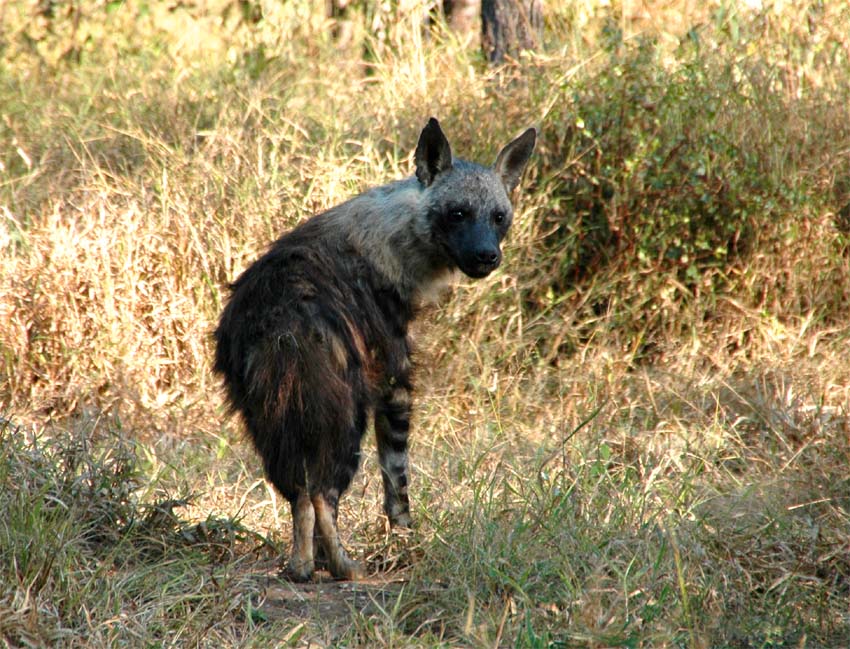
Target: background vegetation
(634, 434)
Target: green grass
(634, 434)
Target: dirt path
(329, 599)
(333, 602)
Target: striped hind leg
(392, 425)
(301, 563)
(339, 563)
(331, 478)
(319, 553)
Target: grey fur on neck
(389, 226)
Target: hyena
(314, 341)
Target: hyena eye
(457, 214)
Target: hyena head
(469, 209)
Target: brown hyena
(313, 341)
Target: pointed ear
(511, 160)
(433, 153)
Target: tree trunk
(462, 15)
(509, 26)
(337, 10)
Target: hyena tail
(303, 399)
(299, 404)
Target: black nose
(487, 256)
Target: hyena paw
(401, 521)
(299, 569)
(347, 569)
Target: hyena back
(313, 340)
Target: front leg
(392, 425)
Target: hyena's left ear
(433, 153)
(511, 160)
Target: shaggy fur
(313, 341)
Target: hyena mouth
(478, 269)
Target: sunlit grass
(633, 434)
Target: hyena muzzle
(313, 341)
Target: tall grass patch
(95, 555)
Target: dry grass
(635, 434)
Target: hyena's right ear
(433, 153)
